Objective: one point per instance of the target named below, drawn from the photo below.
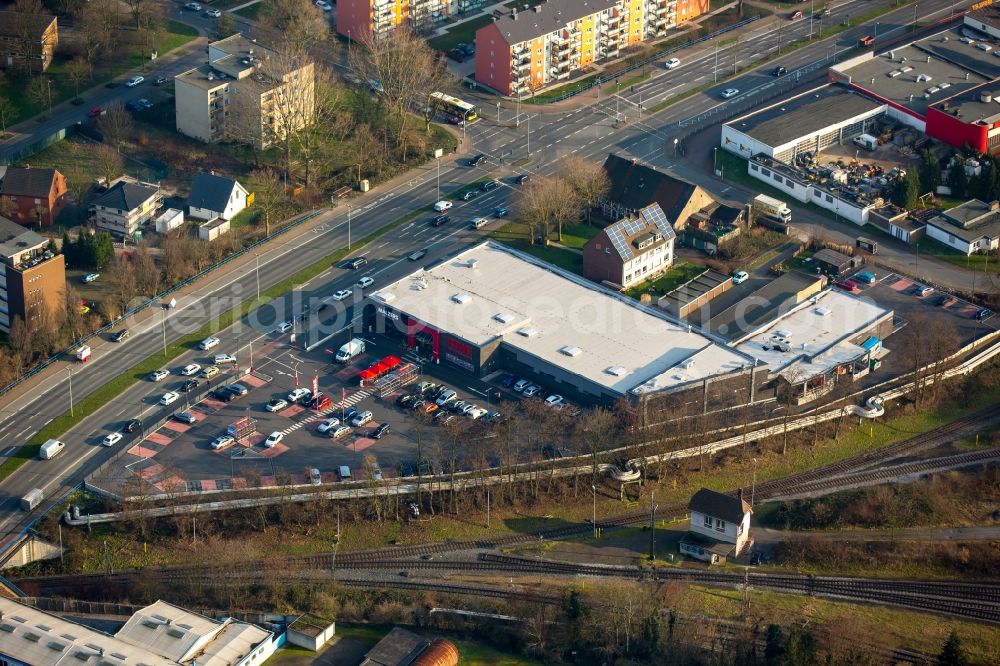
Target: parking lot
(180, 456)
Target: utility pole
(528, 120)
(487, 508)
(163, 329)
(745, 605)
(349, 207)
(257, 258)
(652, 528)
(715, 71)
(70, 370)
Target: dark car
(159, 81)
(379, 431)
(489, 186)
(500, 211)
(405, 469)
(349, 414)
(467, 48)
(477, 160)
(983, 314)
(223, 394)
(779, 71)
(522, 179)
(456, 55)
(357, 262)
(120, 336)
(306, 398)
(237, 389)
(189, 385)
(132, 425)
(404, 400)
(507, 380)
(440, 220)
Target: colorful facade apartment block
(522, 52)
(356, 18)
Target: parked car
(221, 441)
(339, 431)
(324, 5)
(160, 80)
(276, 405)
(326, 425)
(424, 387)
(381, 430)
(223, 394)
(983, 314)
(297, 394)
(159, 375)
(405, 470)
(531, 390)
(306, 398)
(739, 277)
(238, 389)
(320, 402)
(847, 285)
(945, 301)
(456, 55)
(274, 439)
(90, 277)
(361, 419)
(186, 417)
(553, 400)
(866, 277)
(348, 414)
(521, 384)
(120, 336)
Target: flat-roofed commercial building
(830, 338)
(492, 307)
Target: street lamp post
(256, 256)
(349, 208)
(439, 178)
(753, 487)
(70, 371)
(487, 508)
(498, 112)
(594, 490)
(163, 329)
(528, 120)
(48, 84)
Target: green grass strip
(105, 394)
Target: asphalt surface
(530, 138)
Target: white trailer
(32, 499)
(776, 208)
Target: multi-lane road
(534, 140)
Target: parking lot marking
(274, 451)
(170, 483)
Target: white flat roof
(159, 635)
(818, 332)
(492, 291)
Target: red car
(848, 285)
(795, 16)
(321, 403)
(95, 111)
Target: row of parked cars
(529, 390)
(443, 404)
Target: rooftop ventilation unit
(570, 350)
(822, 312)
(461, 298)
(385, 296)
(783, 333)
(528, 331)
(615, 370)
(473, 263)
(687, 363)
(503, 317)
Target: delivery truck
(32, 499)
(83, 354)
(771, 207)
(351, 349)
(51, 449)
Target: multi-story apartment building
(32, 196)
(522, 52)
(357, 18)
(27, 41)
(32, 279)
(125, 206)
(245, 92)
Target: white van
(866, 141)
(344, 472)
(51, 449)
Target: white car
(193, 6)
(274, 439)
(673, 62)
(324, 5)
(284, 327)
(553, 400)
(213, 13)
(190, 369)
(478, 223)
(740, 277)
(169, 398)
(276, 405)
(342, 294)
(476, 413)
(325, 426)
(297, 394)
(729, 92)
(361, 419)
(442, 206)
(112, 439)
(224, 358)
(521, 384)
(90, 277)
(159, 375)
(364, 282)
(208, 343)
(134, 81)
(222, 441)
(340, 432)
(531, 390)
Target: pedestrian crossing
(333, 409)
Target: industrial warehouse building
(158, 635)
(492, 308)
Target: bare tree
(588, 179)
(38, 92)
(78, 71)
(225, 25)
(98, 22)
(269, 195)
(296, 21)
(120, 281)
(545, 202)
(116, 124)
(108, 162)
(7, 113)
(73, 320)
(28, 41)
(137, 8)
(402, 68)
(147, 275)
